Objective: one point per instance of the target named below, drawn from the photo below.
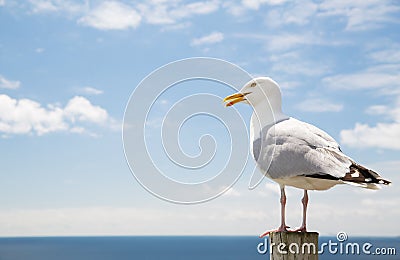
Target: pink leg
(304, 201)
(283, 226)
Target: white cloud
(391, 55)
(383, 79)
(90, 91)
(176, 27)
(109, 15)
(154, 122)
(377, 110)
(39, 50)
(170, 12)
(285, 41)
(358, 14)
(119, 15)
(9, 84)
(43, 6)
(369, 79)
(360, 80)
(289, 84)
(382, 203)
(156, 12)
(74, 221)
(112, 15)
(2, 2)
(361, 14)
(80, 109)
(293, 63)
(273, 188)
(388, 167)
(255, 4)
(252, 213)
(240, 8)
(195, 8)
(25, 116)
(214, 37)
(289, 40)
(319, 105)
(382, 135)
(164, 101)
(128, 221)
(77, 130)
(299, 67)
(51, 6)
(232, 193)
(336, 211)
(298, 13)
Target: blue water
(168, 247)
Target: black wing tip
(384, 181)
(359, 174)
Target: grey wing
(294, 148)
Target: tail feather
(360, 176)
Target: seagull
(295, 153)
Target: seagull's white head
(258, 92)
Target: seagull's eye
(253, 84)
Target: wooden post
(293, 245)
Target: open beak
(235, 98)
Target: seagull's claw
(279, 229)
(301, 229)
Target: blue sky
(67, 69)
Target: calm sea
(169, 247)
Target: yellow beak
(235, 98)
